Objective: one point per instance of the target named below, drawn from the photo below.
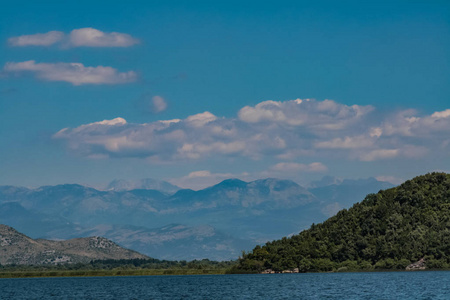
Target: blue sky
(177, 59)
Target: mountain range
(216, 223)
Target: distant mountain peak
(325, 181)
(146, 184)
(328, 181)
(235, 182)
(64, 187)
(231, 182)
(276, 183)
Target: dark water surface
(389, 285)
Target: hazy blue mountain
(237, 212)
(174, 241)
(257, 210)
(145, 184)
(35, 224)
(247, 205)
(325, 181)
(88, 206)
(339, 194)
(266, 193)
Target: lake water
(388, 285)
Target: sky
(195, 92)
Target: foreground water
(389, 285)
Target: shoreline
(106, 273)
(161, 272)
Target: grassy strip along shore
(125, 267)
(115, 272)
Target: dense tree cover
(387, 230)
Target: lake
(376, 285)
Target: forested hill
(387, 230)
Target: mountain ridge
(17, 248)
(144, 184)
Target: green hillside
(388, 230)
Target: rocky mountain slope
(17, 248)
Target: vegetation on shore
(387, 231)
(123, 267)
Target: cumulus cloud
(389, 178)
(348, 142)
(380, 154)
(74, 73)
(203, 173)
(409, 123)
(199, 120)
(150, 103)
(441, 114)
(116, 121)
(91, 37)
(158, 104)
(198, 180)
(325, 114)
(83, 37)
(297, 167)
(287, 131)
(39, 39)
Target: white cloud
(83, 37)
(93, 127)
(391, 179)
(116, 121)
(441, 114)
(287, 131)
(297, 167)
(75, 73)
(39, 39)
(198, 180)
(91, 37)
(376, 132)
(325, 114)
(347, 143)
(196, 150)
(380, 154)
(200, 120)
(158, 104)
(196, 174)
(407, 123)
